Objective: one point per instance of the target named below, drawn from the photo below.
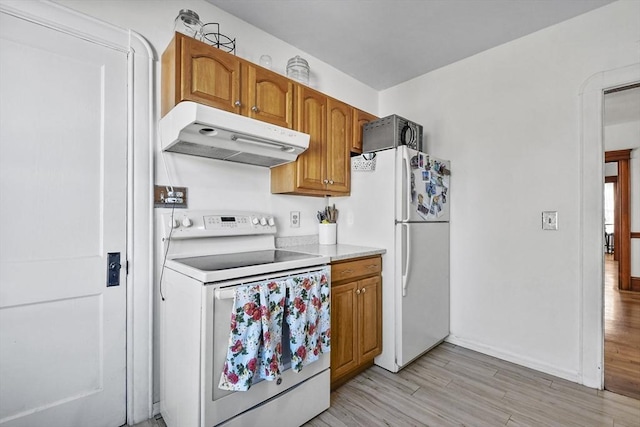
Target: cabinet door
(370, 318)
(339, 129)
(311, 118)
(267, 96)
(360, 118)
(344, 320)
(208, 76)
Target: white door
(63, 184)
(422, 299)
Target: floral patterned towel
(256, 334)
(309, 317)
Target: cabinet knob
(364, 290)
(357, 291)
(330, 181)
(255, 109)
(326, 181)
(237, 103)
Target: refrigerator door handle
(406, 186)
(407, 252)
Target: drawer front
(357, 268)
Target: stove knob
(255, 221)
(175, 223)
(263, 221)
(272, 222)
(186, 222)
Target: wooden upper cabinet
(195, 71)
(340, 134)
(360, 118)
(267, 96)
(192, 71)
(324, 169)
(311, 118)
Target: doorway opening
(621, 303)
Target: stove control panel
(185, 224)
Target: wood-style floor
(453, 386)
(621, 335)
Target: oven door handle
(225, 293)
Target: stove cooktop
(242, 259)
(212, 269)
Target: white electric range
(208, 255)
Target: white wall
(509, 119)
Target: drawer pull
(371, 266)
(349, 271)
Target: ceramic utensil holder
(327, 234)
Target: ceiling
(386, 42)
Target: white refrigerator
(400, 201)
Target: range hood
(199, 130)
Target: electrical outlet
(165, 196)
(294, 219)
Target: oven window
(222, 315)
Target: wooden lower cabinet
(356, 317)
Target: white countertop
(338, 252)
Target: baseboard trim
(518, 359)
(156, 408)
(635, 284)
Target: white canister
(327, 233)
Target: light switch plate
(549, 220)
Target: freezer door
(423, 184)
(422, 294)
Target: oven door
(221, 405)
